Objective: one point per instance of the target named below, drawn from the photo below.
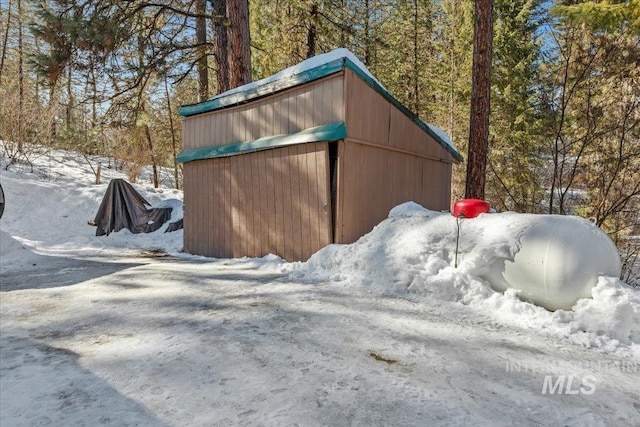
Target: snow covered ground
(102, 330)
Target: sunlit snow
(385, 331)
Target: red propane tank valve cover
(470, 208)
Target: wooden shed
(316, 154)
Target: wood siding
(372, 180)
(275, 201)
(370, 118)
(278, 201)
(386, 160)
(299, 108)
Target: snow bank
(411, 254)
(48, 209)
(14, 254)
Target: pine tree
(201, 50)
(514, 180)
(451, 66)
(480, 100)
(239, 42)
(593, 85)
(221, 50)
(608, 16)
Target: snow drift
(412, 253)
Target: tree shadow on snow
(49, 386)
(53, 272)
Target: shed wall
(367, 194)
(299, 108)
(370, 118)
(278, 201)
(404, 163)
(274, 201)
(207, 212)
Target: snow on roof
(442, 135)
(306, 65)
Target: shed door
(281, 201)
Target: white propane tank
(558, 263)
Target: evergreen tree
(597, 125)
(202, 51)
(451, 64)
(516, 157)
(480, 100)
(606, 15)
(220, 24)
(404, 58)
(239, 42)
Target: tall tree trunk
(221, 54)
(416, 88)
(154, 161)
(20, 80)
(38, 78)
(480, 100)
(239, 42)
(367, 41)
(4, 41)
(452, 73)
(94, 98)
(68, 117)
(343, 27)
(565, 95)
(142, 107)
(313, 30)
(174, 144)
(201, 42)
(54, 126)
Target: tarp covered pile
(123, 207)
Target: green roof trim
(330, 132)
(309, 75)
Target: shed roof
(307, 71)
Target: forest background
(106, 77)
